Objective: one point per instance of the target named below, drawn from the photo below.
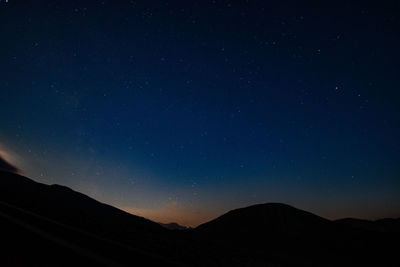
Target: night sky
(181, 111)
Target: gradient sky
(180, 111)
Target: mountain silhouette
(52, 225)
(280, 233)
(63, 204)
(269, 219)
(174, 226)
(58, 219)
(381, 225)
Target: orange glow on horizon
(172, 212)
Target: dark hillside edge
(387, 225)
(174, 226)
(280, 233)
(52, 225)
(56, 216)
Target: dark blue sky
(181, 111)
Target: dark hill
(267, 219)
(280, 233)
(68, 206)
(52, 225)
(36, 218)
(387, 225)
(174, 226)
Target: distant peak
(272, 216)
(174, 226)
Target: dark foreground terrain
(52, 225)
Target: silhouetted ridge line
(75, 229)
(79, 225)
(30, 194)
(270, 217)
(174, 226)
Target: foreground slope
(52, 225)
(64, 204)
(49, 220)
